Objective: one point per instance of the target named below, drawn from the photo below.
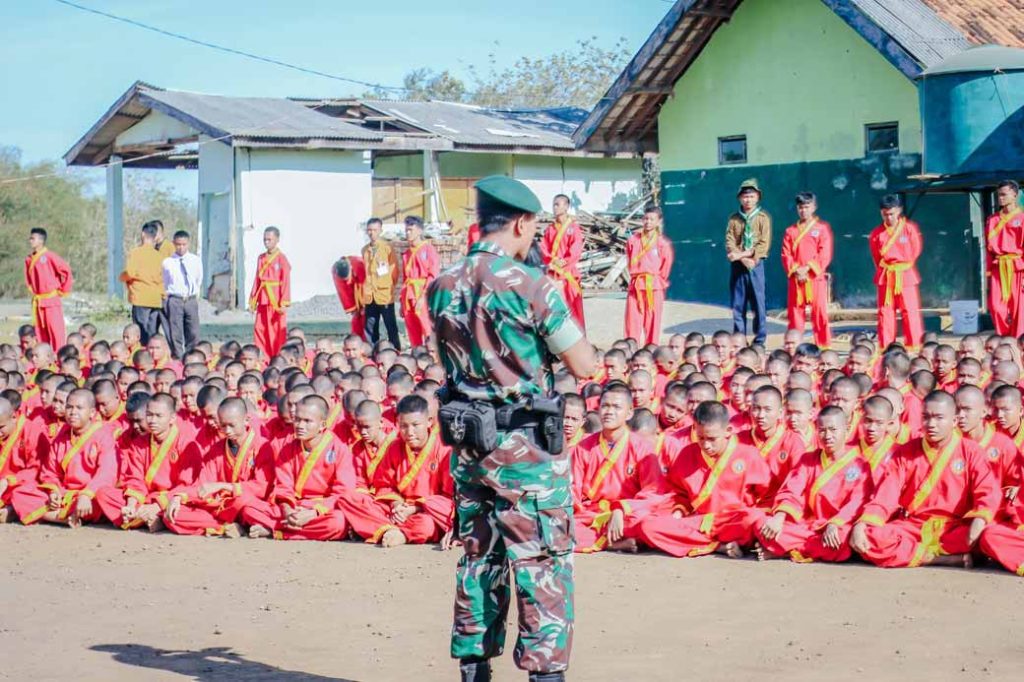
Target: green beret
(510, 192)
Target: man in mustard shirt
(379, 289)
(143, 276)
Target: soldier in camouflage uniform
(498, 323)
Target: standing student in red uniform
(1004, 244)
(271, 295)
(806, 255)
(649, 258)
(561, 248)
(349, 274)
(48, 278)
(895, 247)
(420, 265)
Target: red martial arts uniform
(1003, 454)
(420, 478)
(49, 279)
(781, 453)
(171, 364)
(270, 296)
(70, 467)
(563, 239)
(895, 253)
(1003, 541)
(1004, 241)
(19, 456)
(939, 492)
(717, 497)
(420, 265)
(650, 263)
(608, 476)
(153, 473)
(819, 491)
(809, 245)
(250, 470)
(350, 294)
(878, 457)
(307, 480)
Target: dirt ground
(104, 604)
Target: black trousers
(374, 312)
(149, 321)
(182, 323)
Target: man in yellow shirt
(379, 289)
(143, 276)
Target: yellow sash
(378, 456)
(645, 280)
(804, 294)
(269, 285)
(118, 413)
(611, 456)
(77, 445)
(577, 437)
(311, 459)
(11, 442)
(239, 461)
(829, 471)
(36, 298)
(986, 438)
(418, 463)
(1007, 262)
(893, 271)
(939, 465)
(716, 473)
(160, 453)
(560, 230)
(332, 416)
(767, 446)
(1003, 222)
(874, 455)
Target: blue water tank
(972, 110)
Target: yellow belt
(894, 279)
(416, 285)
(1007, 268)
(805, 293)
(648, 286)
(568, 277)
(35, 304)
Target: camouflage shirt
(496, 321)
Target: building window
(881, 137)
(732, 150)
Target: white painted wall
(591, 184)
(317, 198)
(214, 239)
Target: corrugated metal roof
(255, 117)
(915, 26)
(476, 126)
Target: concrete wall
(318, 199)
(796, 80)
(215, 239)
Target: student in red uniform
(1004, 244)
(877, 439)
(806, 255)
(1001, 452)
(607, 478)
(48, 278)
(19, 455)
(561, 248)
(895, 247)
(650, 257)
(271, 295)
(780, 448)
(813, 511)
(349, 274)
(933, 501)
(420, 265)
(715, 483)
(413, 486)
(312, 471)
(79, 463)
(238, 468)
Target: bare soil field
(104, 604)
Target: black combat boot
(475, 670)
(547, 677)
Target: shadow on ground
(213, 664)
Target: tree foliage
(577, 76)
(74, 214)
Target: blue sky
(63, 68)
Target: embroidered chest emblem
(852, 474)
(993, 454)
(330, 456)
(783, 456)
(958, 466)
(738, 466)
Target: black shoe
(547, 677)
(478, 670)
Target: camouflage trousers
(528, 538)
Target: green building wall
(801, 85)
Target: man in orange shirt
(895, 247)
(1004, 243)
(806, 255)
(143, 277)
(49, 279)
(420, 265)
(271, 295)
(381, 266)
(650, 258)
(561, 248)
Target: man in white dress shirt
(183, 281)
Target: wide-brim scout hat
(749, 184)
(509, 192)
